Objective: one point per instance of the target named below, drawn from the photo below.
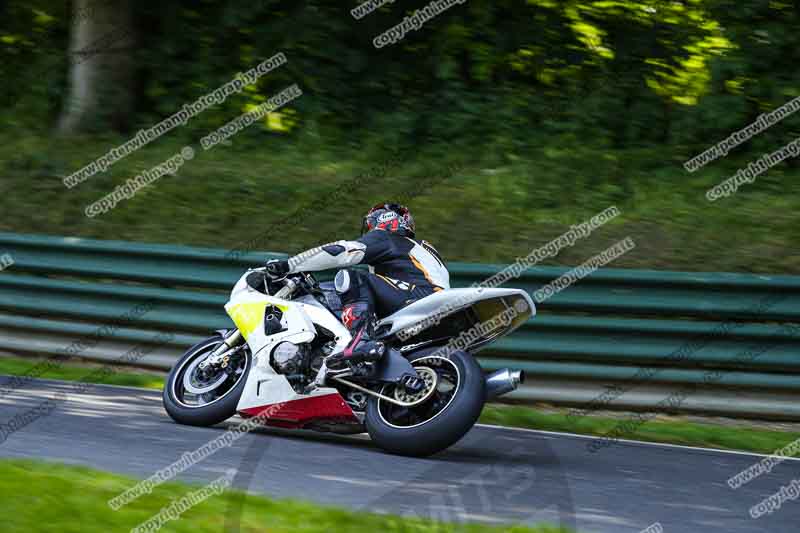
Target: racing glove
(277, 268)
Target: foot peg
(377, 350)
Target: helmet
(389, 217)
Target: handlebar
(287, 289)
(291, 282)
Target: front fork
(234, 338)
(218, 356)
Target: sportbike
(422, 396)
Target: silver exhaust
(502, 382)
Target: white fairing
(264, 385)
(450, 301)
(247, 307)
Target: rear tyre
(198, 398)
(439, 421)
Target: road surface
(493, 475)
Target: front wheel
(200, 396)
(454, 394)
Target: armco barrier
(734, 338)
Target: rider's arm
(373, 247)
(339, 254)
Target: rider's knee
(347, 281)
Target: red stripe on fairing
(297, 413)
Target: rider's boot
(357, 317)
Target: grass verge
(671, 432)
(71, 371)
(37, 496)
(490, 209)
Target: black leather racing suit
(402, 270)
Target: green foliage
(33, 40)
(557, 109)
(629, 72)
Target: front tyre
(199, 396)
(447, 413)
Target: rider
(401, 271)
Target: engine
(289, 358)
(300, 362)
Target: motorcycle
(421, 397)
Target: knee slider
(343, 281)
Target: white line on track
(628, 441)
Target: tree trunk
(100, 94)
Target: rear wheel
(441, 413)
(200, 396)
